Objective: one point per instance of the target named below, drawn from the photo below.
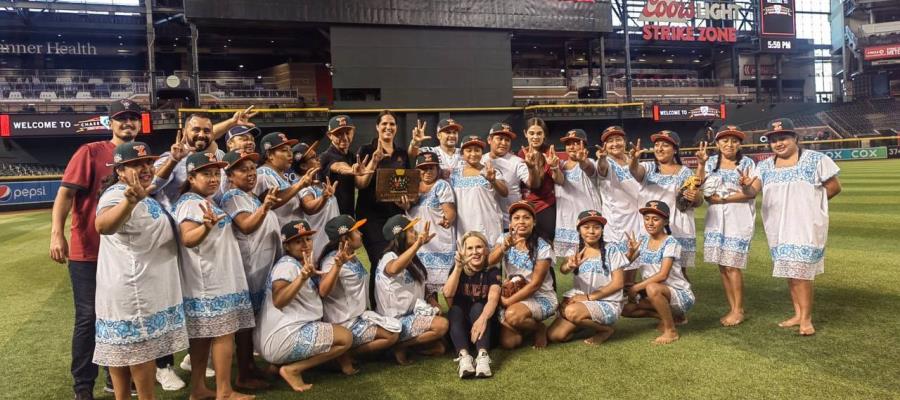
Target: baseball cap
(730, 130)
(397, 224)
(300, 150)
(198, 161)
(339, 122)
(502, 128)
(132, 151)
(123, 107)
(614, 130)
(232, 158)
(473, 140)
(521, 205)
(342, 225)
(274, 140)
(666, 135)
(590, 215)
(781, 125)
(657, 207)
(448, 123)
(295, 229)
(239, 130)
(427, 158)
(574, 134)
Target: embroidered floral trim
(138, 329)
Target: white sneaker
(483, 365)
(168, 379)
(186, 365)
(466, 369)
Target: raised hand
(243, 117)
(361, 167)
(343, 254)
(512, 240)
(134, 192)
(309, 177)
(531, 157)
(271, 199)
(633, 244)
(418, 133)
(702, 154)
(425, 236)
(179, 149)
(574, 261)
(330, 188)
(601, 152)
(378, 155)
(635, 152)
(744, 178)
(552, 158)
(489, 172)
(210, 218)
(404, 202)
(581, 154)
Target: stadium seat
(119, 95)
(47, 96)
(83, 95)
(95, 81)
(125, 80)
(64, 80)
(15, 96)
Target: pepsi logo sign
(5, 193)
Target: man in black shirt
(339, 163)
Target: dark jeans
(84, 284)
(461, 321)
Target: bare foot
(600, 337)
(401, 357)
(296, 381)
(733, 319)
(666, 338)
(346, 364)
(240, 396)
(540, 336)
(789, 323)
(251, 383)
(807, 329)
(202, 393)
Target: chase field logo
(98, 123)
(5, 193)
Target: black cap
(232, 158)
(198, 161)
(339, 122)
(502, 128)
(781, 125)
(614, 130)
(730, 130)
(124, 106)
(574, 134)
(657, 207)
(300, 150)
(473, 140)
(239, 130)
(521, 205)
(275, 140)
(132, 151)
(448, 123)
(397, 224)
(591, 215)
(342, 225)
(295, 229)
(427, 158)
(667, 136)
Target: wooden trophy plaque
(391, 184)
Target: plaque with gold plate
(391, 184)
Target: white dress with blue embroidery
(267, 179)
(620, 193)
(348, 299)
(657, 186)
(140, 316)
(577, 193)
(729, 227)
(295, 332)
(259, 249)
(318, 220)
(594, 274)
(395, 297)
(476, 206)
(543, 302)
(795, 213)
(437, 255)
(216, 295)
(650, 263)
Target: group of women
(272, 263)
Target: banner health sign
(866, 153)
(27, 192)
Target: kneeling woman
(290, 331)
(216, 296)
(140, 316)
(596, 300)
(400, 289)
(526, 254)
(344, 288)
(473, 293)
(664, 293)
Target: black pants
(545, 222)
(373, 240)
(461, 321)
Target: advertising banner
(778, 18)
(28, 192)
(881, 52)
(688, 112)
(37, 125)
(867, 153)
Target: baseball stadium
(436, 199)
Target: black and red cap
(657, 207)
(730, 130)
(473, 140)
(591, 215)
(522, 205)
(449, 123)
(666, 136)
(132, 151)
(779, 126)
(295, 229)
(123, 107)
(614, 130)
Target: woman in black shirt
(381, 153)
(473, 293)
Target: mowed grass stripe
(853, 356)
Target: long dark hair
(677, 157)
(535, 121)
(531, 243)
(186, 185)
(737, 160)
(331, 246)
(602, 245)
(107, 182)
(398, 245)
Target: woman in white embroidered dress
(796, 186)
(475, 185)
(575, 191)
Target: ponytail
(107, 182)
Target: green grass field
(854, 354)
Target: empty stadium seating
(29, 169)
